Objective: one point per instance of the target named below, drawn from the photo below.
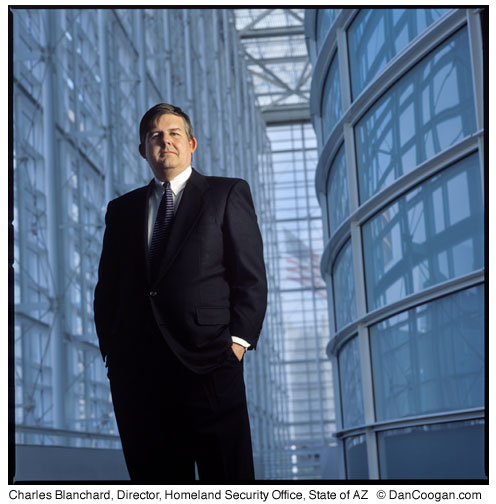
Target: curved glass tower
(397, 106)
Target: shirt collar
(177, 183)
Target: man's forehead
(177, 122)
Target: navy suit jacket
(211, 283)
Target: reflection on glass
(430, 235)
(430, 358)
(293, 247)
(331, 100)
(350, 380)
(337, 191)
(429, 109)
(377, 35)
(344, 287)
(452, 450)
(325, 18)
(357, 466)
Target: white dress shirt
(177, 185)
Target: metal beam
(283, 114)
(281, 83)
(284, 31)
(261, 16)
(291, 12)
(281, 59)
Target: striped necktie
(165, 214)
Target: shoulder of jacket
(129, 197)
(224, 182)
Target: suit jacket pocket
(212, 316)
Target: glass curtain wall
(303, 313)
(400, 181)
(82, 80)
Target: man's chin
(166, 172)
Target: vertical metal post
(204, 93)
(54, 213)
(141, 46)
(361, 304)
(344, 70)
(230, 125)
(357, 254)
(475, 42)
(316, 342)
(218, 93)
(167, 61)
(240, 162)
(478, 70)
(187, 59)
(108, 168)
(22, 223)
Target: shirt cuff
(240, 341)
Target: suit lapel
(144, 224)
(187, 215)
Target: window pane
(377, 35)
(331, 101)
(451, 450)
(430, 358)
(430, 235)
(357, 466)
(344, 287)
(350, 379)
(337, 191)
(429, 109)
(325, 18)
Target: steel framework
(81, 82)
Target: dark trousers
(170, 417)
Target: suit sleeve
(105, 300)
(245, 265)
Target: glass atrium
(81, 81)
(368, 179)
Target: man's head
(166, 140)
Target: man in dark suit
(181, 295)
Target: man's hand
(239, 350)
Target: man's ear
(142, 151)
(193, 144)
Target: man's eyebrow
(157, 130)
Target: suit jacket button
(153, 293)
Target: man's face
(167, 147)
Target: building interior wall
(398, 108)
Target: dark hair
(148, 120)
